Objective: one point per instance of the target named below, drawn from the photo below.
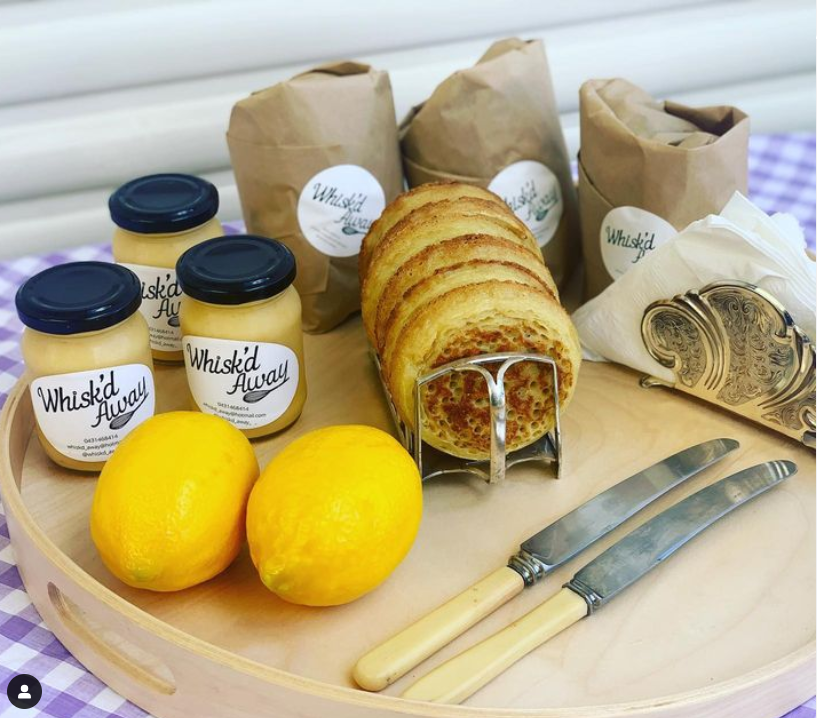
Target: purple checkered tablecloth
(782, 179)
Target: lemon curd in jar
(87, 353)
(241, 332)
(158, 218)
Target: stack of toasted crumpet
(448, 271)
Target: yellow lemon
(169, 509)
(333, 515)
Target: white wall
(94, 92)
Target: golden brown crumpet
(428, 225)
(476, 319)
(444, 280)
(411, 200)
(445, 254)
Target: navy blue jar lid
(78, 297)
(235, 270)
(163, 203)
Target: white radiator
(94, 92)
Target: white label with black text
(337, 207)
(532, 191)
(161, 299)
(628, 234)
(84, 415)
(250, 384)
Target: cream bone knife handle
(462, 676)
(383, 665)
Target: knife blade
(538, 556)
(640, 551)
(574, 532)
(597, 583)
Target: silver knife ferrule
(529, 567)
(591, 598)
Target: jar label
(628, 234)
(532, 191)
(251, 384)
(337, 207)
(161, 299)
(84, 415)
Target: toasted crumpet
(428, 225)
(443, 281)
(444, 254)
(411, 200)
(483, 318)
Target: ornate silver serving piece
(734, 345)
(432, 462)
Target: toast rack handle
(500, 457)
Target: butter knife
(597, 583)
(538, 556)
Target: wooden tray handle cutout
(137, 663)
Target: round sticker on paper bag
(337, 207)
(532, 191)
(628, 234)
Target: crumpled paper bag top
(635, 149)
(294, 112)
(466, 128)
(742, 243)
(652, 119)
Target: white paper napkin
(742, 242)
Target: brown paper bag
(496, 125)
(316, 159)
(647, 169)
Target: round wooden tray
(725, 629)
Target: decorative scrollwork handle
(735, 345)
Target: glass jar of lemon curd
(158, 218)
(241, 332)
(87, 353)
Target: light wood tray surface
(725, 629)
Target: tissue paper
(741, 243)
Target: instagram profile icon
(24, 691)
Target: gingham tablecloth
(782, 179)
